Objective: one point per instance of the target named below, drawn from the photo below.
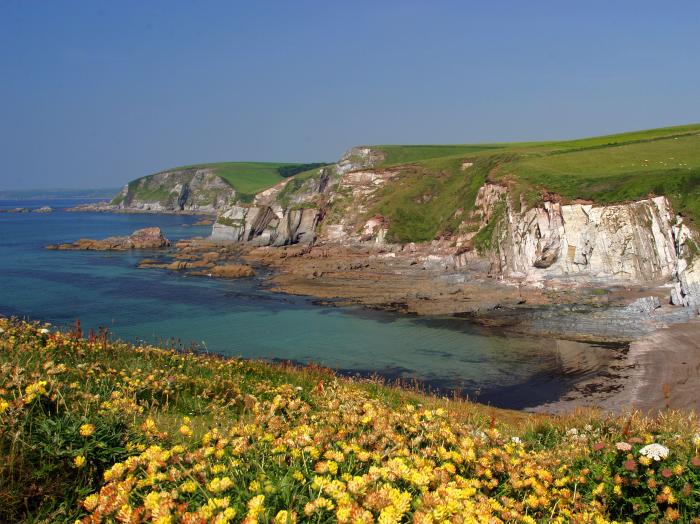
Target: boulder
(147, 238)
(232, 271)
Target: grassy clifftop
(436, 181)
(252, 177)
(247, 178)
(102, 431)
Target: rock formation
(147, 238)
(196, 189)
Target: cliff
(177, 190)
(204, 188)
(473, 206)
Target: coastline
(660, 370)
(387, 278)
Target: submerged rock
(43, 209)
(146, 238)
(232, 271)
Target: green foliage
(421, 201)
(247, 178)
(103, 431)
(396, 154)
(224, 221)
(484, 240)
(294, 169)
(617, 173)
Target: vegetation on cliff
(247, 178)
(435, 182)
(102, 431)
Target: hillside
(205, 187)
(434, 180)
(101, 431)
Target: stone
(146, 238)
(232, 271)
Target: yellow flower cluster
(213, 440)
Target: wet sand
(661, 370)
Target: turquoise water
(242, 318)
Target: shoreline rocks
(146, 238)
(199, 257)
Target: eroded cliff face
(642, 242)
(179, 190)
(287, 213)
(638, 241)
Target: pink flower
(623, 446)
(598, 446)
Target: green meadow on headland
(102, 431)
(435, 181)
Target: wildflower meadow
(97, 430)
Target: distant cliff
(609, 210)
(177, 190)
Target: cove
(241, 318)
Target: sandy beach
(661, 370)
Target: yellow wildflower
(86, 430)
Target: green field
(421, 204)
(247, 177)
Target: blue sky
(97, 93)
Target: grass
(617, 173)
(101, 431)
(396, 154)
(246, 177)
(607, 169)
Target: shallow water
(242, 318)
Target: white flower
(573, 432)
(655, 451)
(696, 439)
(43, 331)
(588, 427)
(516, 440)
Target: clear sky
(93, 93)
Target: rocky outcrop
(287, 213)
(621, 242)
(195, 189)
(147, 238)
(686, 292)
(635, 243)
(266, 225)
(292, 211)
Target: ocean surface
(242, 318)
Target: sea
(244, 318)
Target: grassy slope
(94, 429)
(605, 169)
(246, 177)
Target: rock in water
(43, 209)
(147, 238)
